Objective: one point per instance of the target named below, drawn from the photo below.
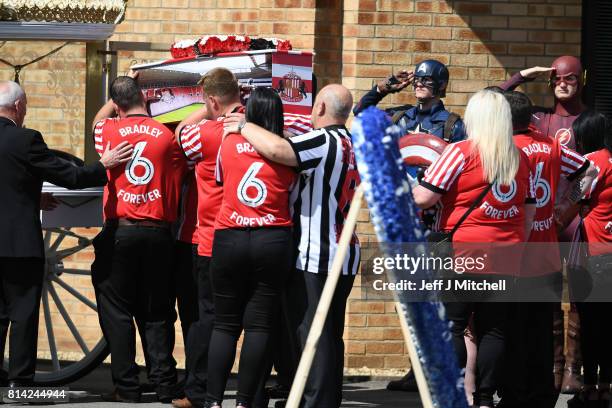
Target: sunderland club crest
(291, 88)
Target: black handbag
(442, 246)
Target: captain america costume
(416, 119)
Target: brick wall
(357, 42)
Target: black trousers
(132, 280)
(528, 380)
(249, 268)
(21, 281)
(324, 384)
(285, 349)
(198, 338)
(595, 338)
(490, 329)
(185, 276)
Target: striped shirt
(322, 197)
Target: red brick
(509, 35)
(402, 362)
(439, 33)
(510, 9)
(544, 10)
(433, 6)
(375, 18)
(355, 347)
(452, 47)
(395, 5)
(366, 307)
(563, 49)
(545, 36)
(469, 8)
(530, 23)
(366, 333)
(367, 5)
(526, 49)
(458, 73)
(422, 57)
(415, 46)
(490, 22)
(477, 60)
(392, 58)
(412, 19)
(364, 361)
(383, 320)
(287, 3)
(469, 34)
(488, 48)
(487, 73)
(441, 20)
(395, 347)
(393, 334)
(564, 23)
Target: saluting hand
(535, 72)
(396, 83)
(233, 123)
(120, 154)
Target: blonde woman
(486, 178)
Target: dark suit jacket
(25, 162)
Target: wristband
(241, 126)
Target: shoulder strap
(449, 125)
(475, 204)
(397, 116)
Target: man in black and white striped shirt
(320, 202)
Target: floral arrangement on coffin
(215, 44)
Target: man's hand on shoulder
(120, 154)
(233, 123)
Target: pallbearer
(132, 269)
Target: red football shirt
(147, 187)
(201, 144)
(458, 175)
(188, 219)
(598, 221)
(255, 190)
(548, 160)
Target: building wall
(357, 42)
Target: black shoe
(579, 400)
(278, 391)
(117, 396)
(406, 383)
(167, 393)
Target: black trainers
(278, 391)
(117, 396)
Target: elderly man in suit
(25, 162)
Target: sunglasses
(570, 79)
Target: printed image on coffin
(172, 92)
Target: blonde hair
(488, 123)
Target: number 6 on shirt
(250, 180)
(139, 161)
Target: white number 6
(539, 183)
(139, 161)
(250, 180)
